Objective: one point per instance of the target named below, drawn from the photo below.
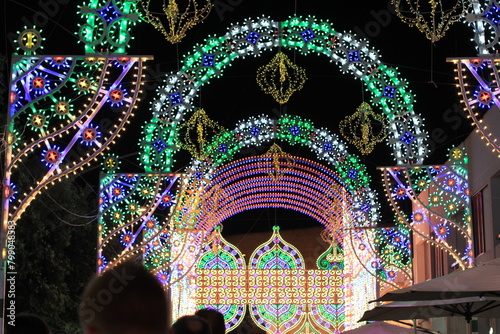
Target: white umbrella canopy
(483, 280)
(380, 327)
(484, 307)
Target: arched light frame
(353, 55)
(256, 131)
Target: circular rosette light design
(281, 78)
(442, 231)
(30, 40)
(62, 108)
(435, 199)
(51, 156)
(110, 163)
(90, 135)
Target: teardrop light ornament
(431, 17)
(281, 78)
(357, 128)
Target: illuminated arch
(346, 168)
(301, 185)
(387, 89)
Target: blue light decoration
(484, 98)
(175, 98)
(10, 192)
(442, 231)
(353, 56)
(307, 35)
(159, 145)
(51, 156)
(167, 200)
(492, 13)
(90, 135)
(399, 192)
(389, 92)
(294, 130)
(127, 238)
(109, 13)
(118, 96)
(407, 138)
(59, 62)
(208, 60)
(253, 37)
(102, 262)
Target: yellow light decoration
(201, 126)
(277, 153)
(431, 17)
(177, 20)
(357, 128)
(281, 78)
(268, 286)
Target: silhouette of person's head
(127, 299)
(190, 324)
(214, 318)
(27, 323)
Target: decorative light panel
(134, 220)
(353, 55)
(357, 128)
(107, 25)
(179, 16)
(279, 291)
(431, 17)
(54, 106)
(219, 255)
(478, 83)
(440, 199)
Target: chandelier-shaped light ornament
(431, 17)
(173, 20)
(199, 130)
(357, 128)
(280, 161)
(281, 78)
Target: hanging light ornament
(280, 159)
(177, 20)
(281, 78)
(431, 17)
(197, 132)
(357, 128)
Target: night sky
(327, 97)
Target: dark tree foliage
(55, 252)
